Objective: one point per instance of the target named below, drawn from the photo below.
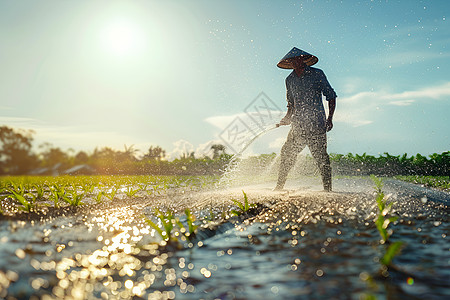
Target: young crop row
(29, 193)
(440, 182)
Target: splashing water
(230, 171)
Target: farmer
(306, 114)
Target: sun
(122, 38)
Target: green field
(29, 193)
(439, 182)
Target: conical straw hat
(309, 59)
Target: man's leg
(318, 146)
(294, 144)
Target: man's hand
(329, 124)
(285, 121)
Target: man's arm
(331, 108)
(287, 118)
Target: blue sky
(86, 74)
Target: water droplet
(20, 253)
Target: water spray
(231, 165)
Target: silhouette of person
(306, 114)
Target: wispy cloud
(358, 109)
(402, 102)
(432, 92)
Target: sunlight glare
(122, 38)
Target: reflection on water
(301, 244)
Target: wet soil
(298, 243)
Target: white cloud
(358, 109)
(433, 92)
(181, 148)
(402, 102)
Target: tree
(16, 156)
(128, 154)
(81, 158)
(54, 157)
(155, 153)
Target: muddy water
(300, 244)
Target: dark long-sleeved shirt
(304, 96)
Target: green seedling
(190, 218)
(392, 251)
(111, 194)
(168, 222)
(171, 225)
(244, 207)
(40, 191)
(383, 221)
(73, 198)
(58, 192)
(26, 204)
(18, 193)
(154, 189)
(99, 196)
(88, 188)
(130, 192)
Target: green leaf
(239, 204)
(245, 201)
(381, 229)
(391, 252)
(235, 212)
(157, 229)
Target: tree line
(18, 158)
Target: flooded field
(300, 243)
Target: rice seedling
(243, 207)
(172, 226)
(57, 192)
(99, 196)
(40, 190)
(73, 198)
(168, 222)
(190, 219)
(383, 221)
(155, 189)
(130, 192)
(88, 188)
(110, 195)
(18, 193)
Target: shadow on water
(300, 243)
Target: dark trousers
(295, 143)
